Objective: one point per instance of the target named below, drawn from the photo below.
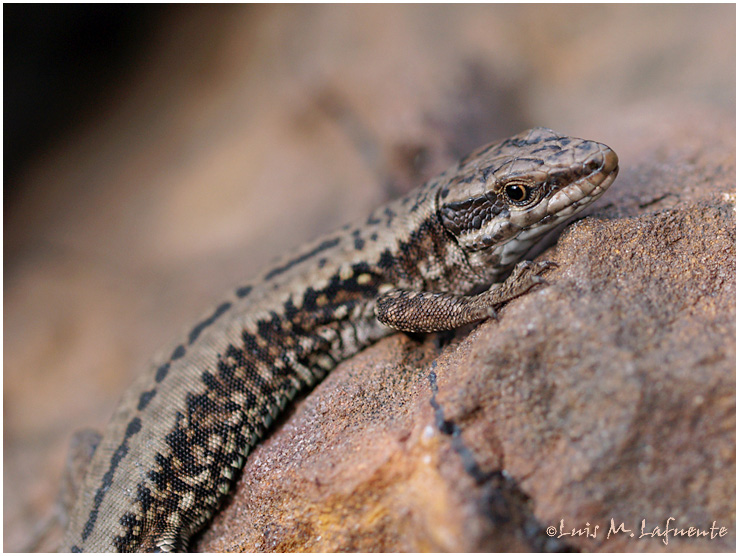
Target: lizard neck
(424, 256)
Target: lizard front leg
(412, 311)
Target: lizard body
(174, 446)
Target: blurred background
(155, 156)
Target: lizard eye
(520, 194)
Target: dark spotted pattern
(175, 445)
(250, 382)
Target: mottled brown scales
(429, 261)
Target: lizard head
(505, 195)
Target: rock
(603, 401)
(367, 463)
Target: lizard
(430, 261)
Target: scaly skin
(179, 437)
